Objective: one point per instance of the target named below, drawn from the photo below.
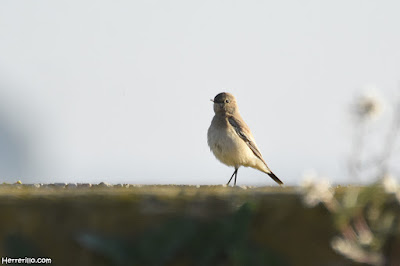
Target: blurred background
(120, 91)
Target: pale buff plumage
(230, 139)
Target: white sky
(118, 91)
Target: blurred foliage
(367, 218)
(187, 241)
(368, 221)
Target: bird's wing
(244, 133)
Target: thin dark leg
(234, 174)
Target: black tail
(275, 178)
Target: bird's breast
(227, 146)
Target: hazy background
(119, 91)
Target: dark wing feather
(242, 130)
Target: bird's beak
(212, 100)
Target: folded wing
(244, 133)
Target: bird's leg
(231, 178)
(236, 170)
(234, 173)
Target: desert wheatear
(230, 139)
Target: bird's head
(225, 103)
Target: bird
(231, 140)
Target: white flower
(365, 237)
(390, 184)
(355, 252)
(316, 191)
(368, 105)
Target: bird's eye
(226, 101)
